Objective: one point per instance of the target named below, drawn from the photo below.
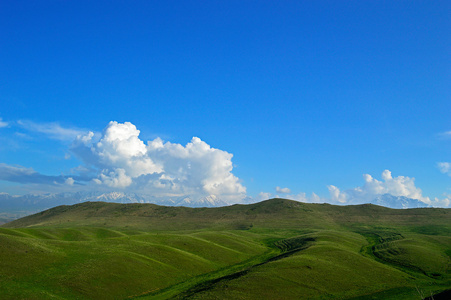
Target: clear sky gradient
(304, 94)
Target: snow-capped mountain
(32, 203)
(208, 201)
(391, 201)
(38, 202)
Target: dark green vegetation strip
(382, 247)
(287, 247)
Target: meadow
(276, 249)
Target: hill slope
(274, 249)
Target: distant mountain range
(31, 203)
(38, 202)
(391, 201)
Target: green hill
(275, 249)
(274, 213)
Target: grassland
(276, 249)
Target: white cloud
(302, 197)
(395, 186)
(3, 124)
(81, 170)
(197, 167)
(121, 148)
(263, 196)
(399, 186)
(444, 167)
(283, 190)
(52, 130)
(316, 199)
(336, 195)
(118, 159)
(160, 168)
(115, 179)
(446, 202)
(24, 175)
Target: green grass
(276, 249)
(78, 263)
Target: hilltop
(21, 205)
(277, 213)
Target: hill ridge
(283, 211)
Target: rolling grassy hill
(275, 249)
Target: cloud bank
(117, 159)
(123, 161)
(400, 186)
(396, 186)
(24, 175)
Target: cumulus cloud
(160, 168)
(443, 202)
(283, 190)
(3, 124)
(52, 130)
(399, 186)
(336, 195)
(395, 186)
(24, 175)
(119, 153)
(115, 179)
(263, 196)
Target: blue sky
(305, 94)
